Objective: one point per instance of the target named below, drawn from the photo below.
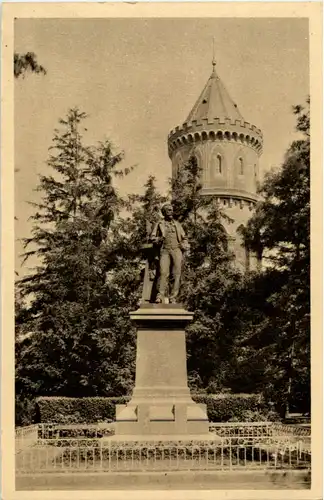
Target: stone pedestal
(161, 404)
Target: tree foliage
(24, 63)
(80, 343)
(250, 333)
(209, 274)
(280, 307)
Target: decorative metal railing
(258, 429)
(26, 437)
(295, 430)
(76, 431)
(248, 429)
(99, 456)
(248, 446)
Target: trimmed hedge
(220, 408)
(232, 407)
(63, 410)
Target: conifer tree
(78, 347)
(26, 62)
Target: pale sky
(139, 78)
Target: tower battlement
(216, 129)
(218, 123)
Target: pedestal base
(161, 403)
(164, 418)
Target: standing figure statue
(169, 235)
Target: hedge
(220, 408)
(63, 410)
(235, 407)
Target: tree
(79, 345)
(208, 276)
(26, 62)
(142, 209)
(280, 230)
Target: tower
(227, 149)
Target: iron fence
(230, 429)
(243, 429)
(26, 437)
(102, 455)
(77, 431)
(256, 445)
(258, 429)
(290, 429)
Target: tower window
(219, 164)
(241, 166)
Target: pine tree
(79, 347)
(26, 62)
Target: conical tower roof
(214, 102)
(215, 116)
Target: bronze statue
(169, 236)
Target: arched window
(241, 166)
(216, 166)
(219, 164)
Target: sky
(138, 78)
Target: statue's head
(167, 211)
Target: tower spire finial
(214, 60)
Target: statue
(169, 236)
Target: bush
(220, 408)
(63, 410)
(24, 411)
(234, 407)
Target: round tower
(227, 149)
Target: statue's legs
(176, 256)
(164, 273)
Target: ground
(233, 480)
